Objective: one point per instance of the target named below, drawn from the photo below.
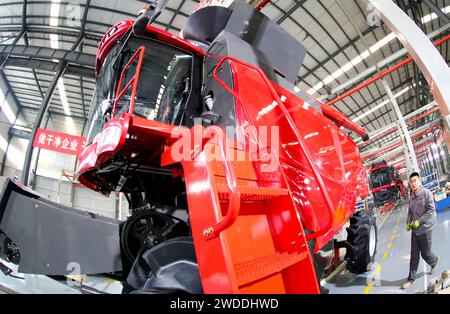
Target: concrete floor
(388, 273)
(391, 266)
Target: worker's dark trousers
(420, 244)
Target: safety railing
(291, 122)
(133, 81)
(234, 198)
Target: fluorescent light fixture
(54, 43)
(3, 144)
(6, 108)
(54, 12)
(10, 115)
(2, 97)
(364, 55)
(70, 126)
(432, 16)
(384, 103)
(63, 96)
(352, 63)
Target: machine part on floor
(148, 228)
(167, 268)
(439, 285)
(41, 232)
(361, 242)
(9, 250)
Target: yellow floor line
(110, 281)
(379, 268)
(367, 290)
(385, 256)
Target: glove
(408, 227)
(415, 224)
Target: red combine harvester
(237, 181)
(385, 184)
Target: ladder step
(252, 193)
(258, 268)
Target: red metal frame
(233, 192)
(114, 33)
(133, 81)
(262, 4)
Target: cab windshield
(379, 178)
(163, 89)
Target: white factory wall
(48, 181)
(63, 192)
(8, 116)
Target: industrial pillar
(439, 153)
(409, 166)
(36, 163)
(434, 161)
(411, 155)
(426, 56)
(39, 118)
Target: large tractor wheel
(361, 242)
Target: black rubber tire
(358, 257)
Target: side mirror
(148, 17)
(107, 107)
(210, 118)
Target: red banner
(59, 142)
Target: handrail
(234, 197)
(133, 81)
(291, 122)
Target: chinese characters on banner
(59, 142)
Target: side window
(176, 91)
(164, 83)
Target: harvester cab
(385, 184)
(237, 181)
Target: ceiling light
(63, 97)
(384, 103)
(432, 16)
(352, 63)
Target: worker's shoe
(433, 269)
(407, 284)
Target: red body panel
(334, 153)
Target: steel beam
(404, 128)
(45, 53)
(38, 121)
(383, 63)
(50, 66)
(426, 56)
(46, 29)
(434, 8)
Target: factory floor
(391, 266)
(388, 273)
